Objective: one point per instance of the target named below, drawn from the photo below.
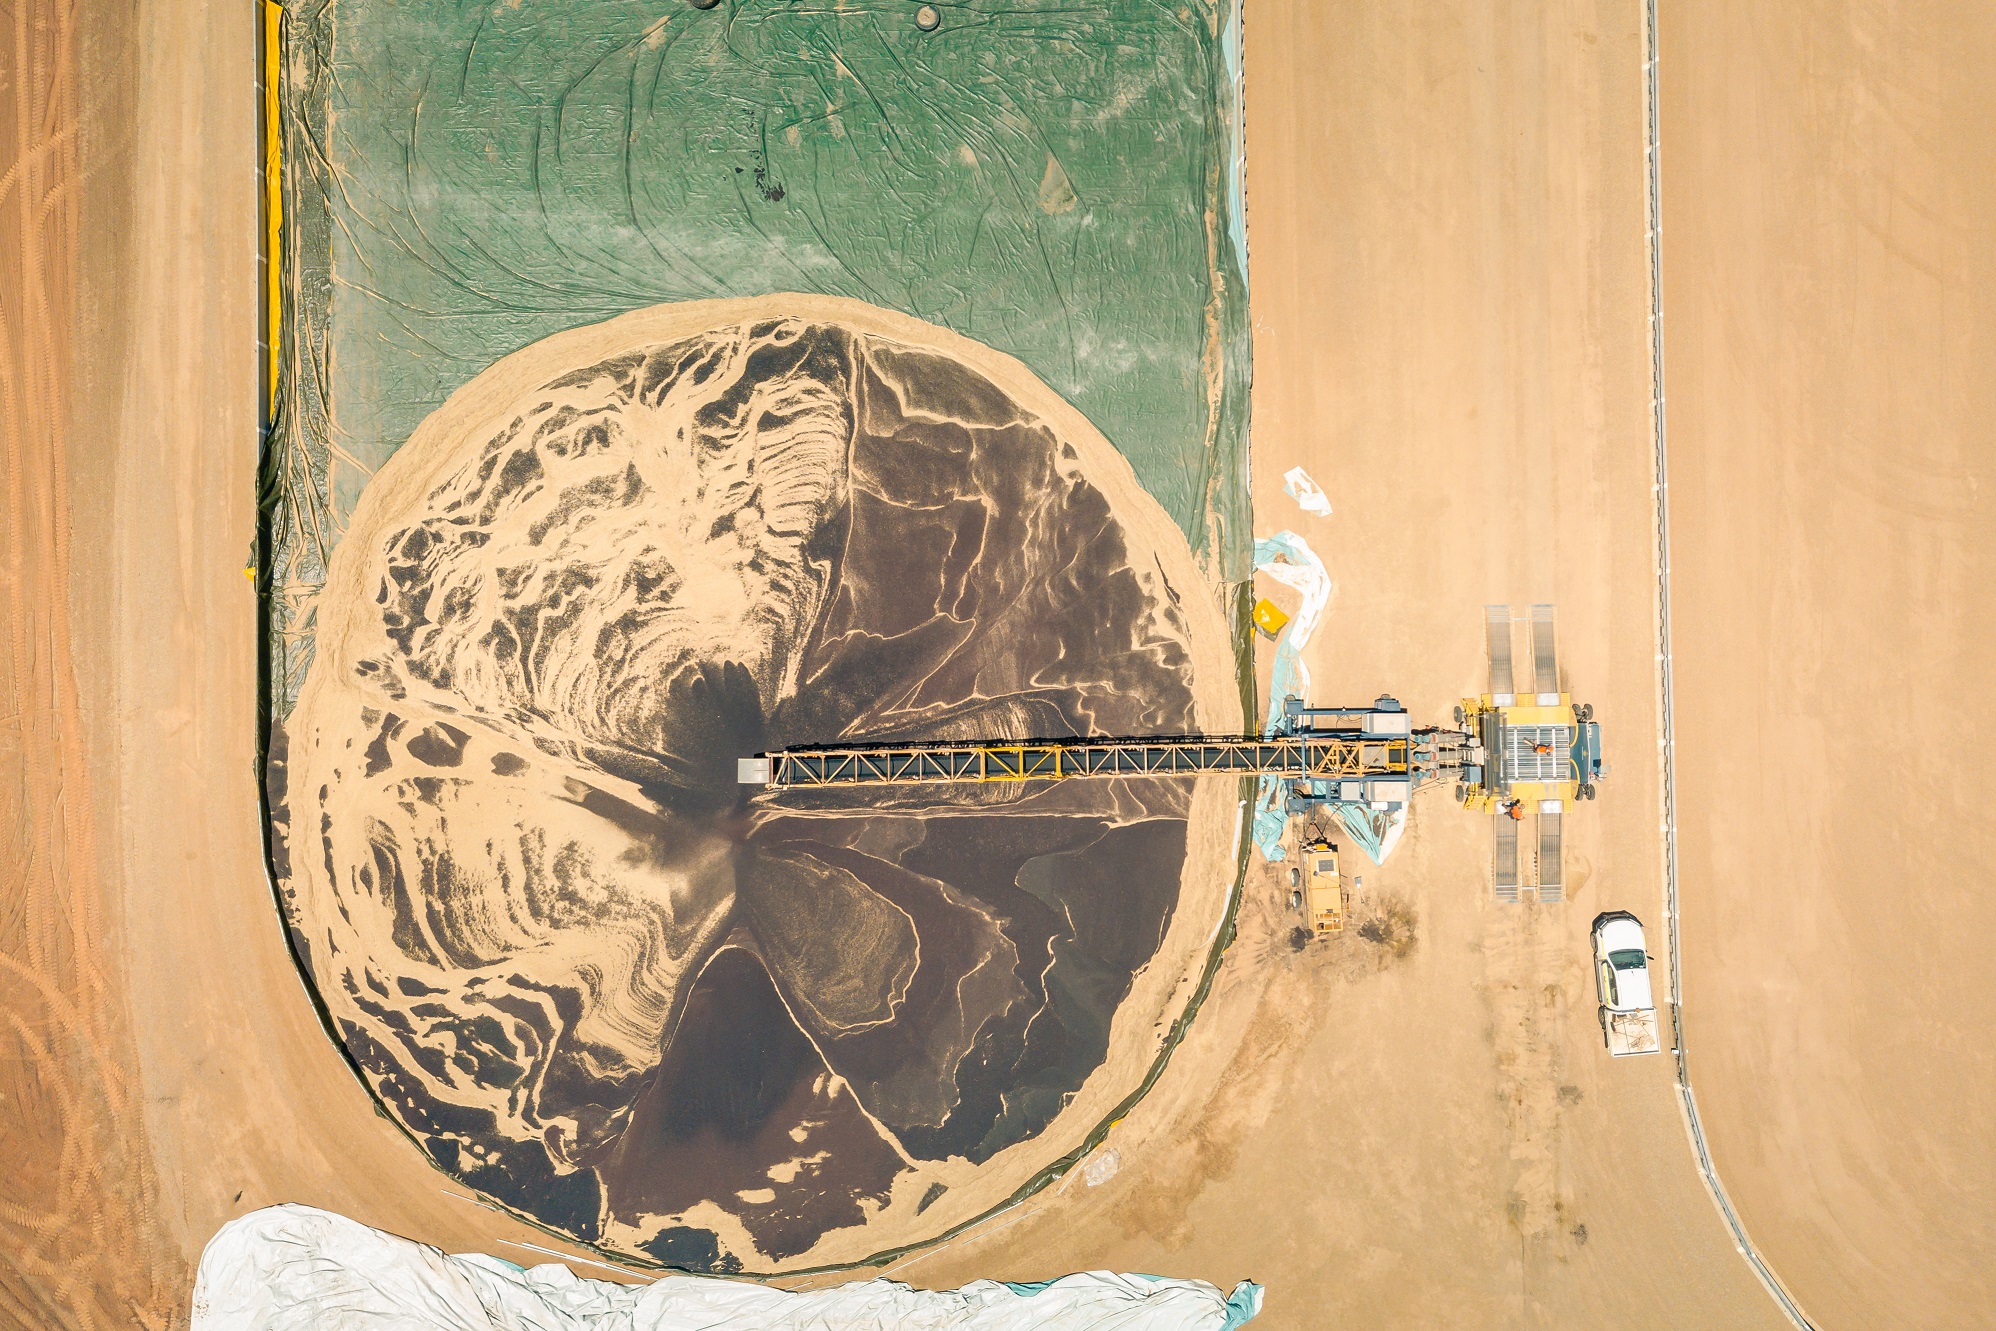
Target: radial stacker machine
(1539, 751)
(1501, 755)
(1371, 755)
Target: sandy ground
(1446, 233)
(242, 1100)
(1830, 308)
(76, 1240)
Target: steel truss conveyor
(1322, 757)
(1318, 754)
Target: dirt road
(1830, 316)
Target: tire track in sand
(76, 1241)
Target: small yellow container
(1269, 619)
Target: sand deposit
(79, 1241)
(1831, 307)
(604, 983)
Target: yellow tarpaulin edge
(273, 189)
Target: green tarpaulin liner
(1057, 180)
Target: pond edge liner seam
(272, 421)
(1667, 747)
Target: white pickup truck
(1621, 975)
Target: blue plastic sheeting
(1288, 559)
(1373, 831)
(1242, 1305)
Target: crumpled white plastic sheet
(1288, 559)
(1309, 496)
(294, 1268)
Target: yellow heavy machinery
(1518, 756)
(1323, 887)
(1535, 751)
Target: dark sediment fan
(569, 952)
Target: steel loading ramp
(1551, 869)
(1545, 657)
(1497, 634)
(1504, 859)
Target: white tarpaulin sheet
(1288, 559)
(288, 1268)
(1296, 483)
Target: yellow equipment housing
(1323, 888)
(1535, 747)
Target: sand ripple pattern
(579, 963)
(81, 1247)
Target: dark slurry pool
(596, 976)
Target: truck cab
(1622, 981)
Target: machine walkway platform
(1327, 758)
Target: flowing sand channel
(596, 978)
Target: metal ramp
(1497, 629)
(1545, 660)
(1504, 859)
(1552, 876)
